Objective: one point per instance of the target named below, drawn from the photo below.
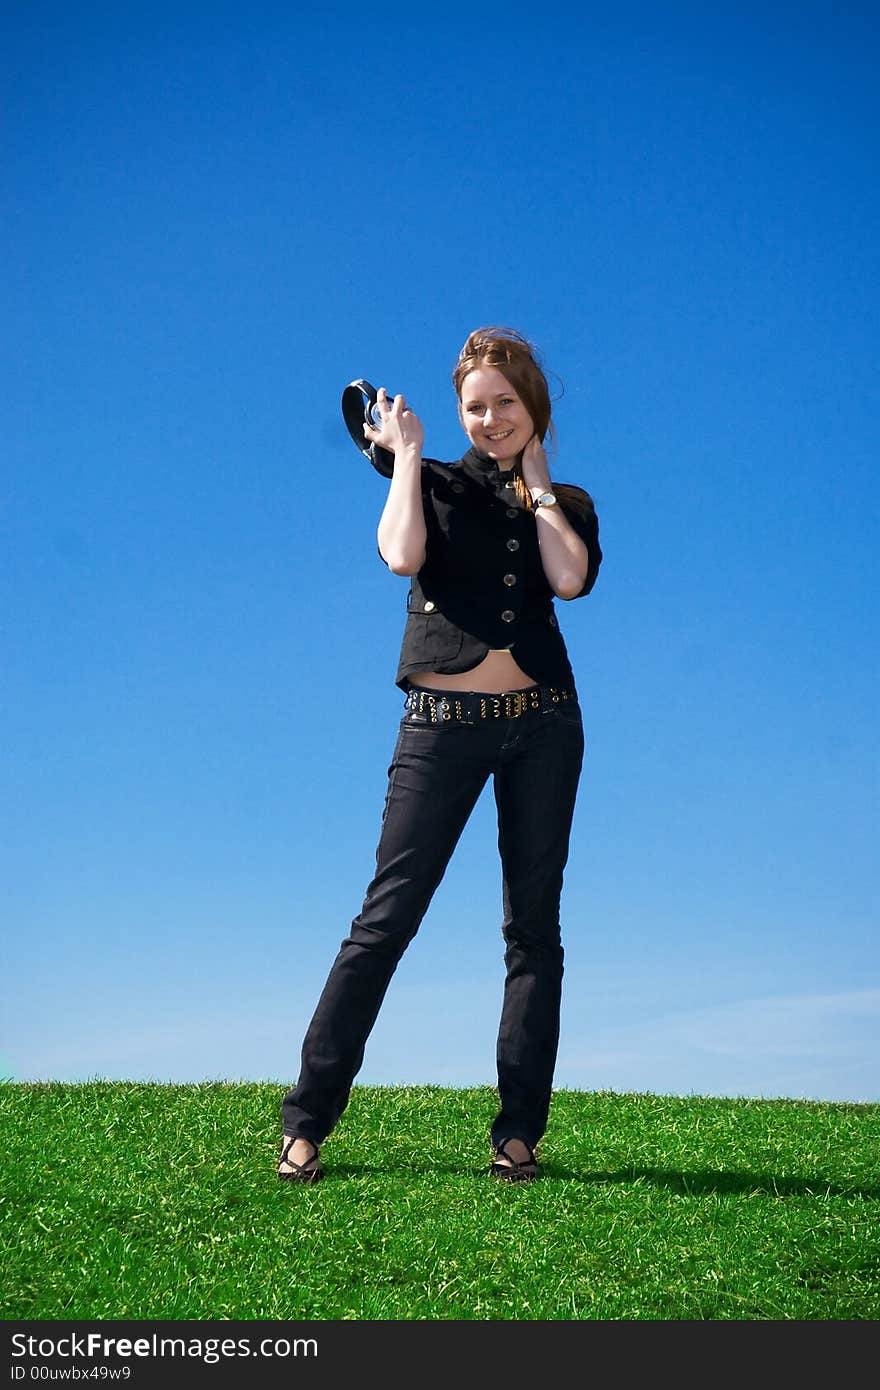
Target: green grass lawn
(138, 1201)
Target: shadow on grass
(685, 1184)
(698, 1184)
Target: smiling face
(494, 417)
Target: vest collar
(486, 470)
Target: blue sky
(217, 216)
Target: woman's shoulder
(575, 499)
(440, 477)
(437, 467)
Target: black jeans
(434, 780)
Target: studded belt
(467, 706)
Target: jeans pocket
(420, 724)
(569, 714)
(568, 724)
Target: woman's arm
(564, 556)
(402, 533)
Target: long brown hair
(518, 361)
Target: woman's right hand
(400, 430)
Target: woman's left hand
(534, 465)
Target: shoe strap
(300, 1167)
(517, 1162)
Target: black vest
(482, 586)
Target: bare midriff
(496, 673)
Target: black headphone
(359, 407)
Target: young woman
(488, 543)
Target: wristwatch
(544, 499)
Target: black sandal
(516, 1170)
(300, 1172)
